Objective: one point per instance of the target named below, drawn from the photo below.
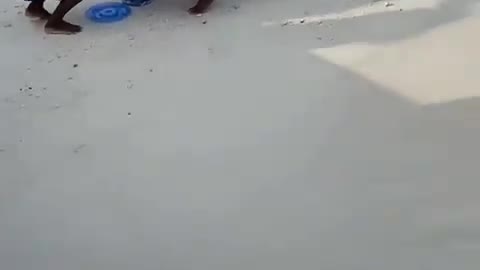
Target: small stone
(79, 147)
(8, 25)
(389, 4)
(204, 22)
(129, 113)
(151, 70)
(302, 21)
(70, 78)
(30, 88)
(75, 65)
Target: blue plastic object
(109, 12)
(137, 3)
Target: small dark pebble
(129, 113)
(77, 149)
(151, 70)
(70, 78)
(204, 22)
(75, 65)
(29, 88)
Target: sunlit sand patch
(375, 7)
(439, 66)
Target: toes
(63, 29)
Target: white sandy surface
(346, 138)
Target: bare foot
(62, 28)
(37, 11)
(197, 10)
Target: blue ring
(108, 12)
(137, 3)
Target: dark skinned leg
(36, 10)
(56, 24)
(200, 7)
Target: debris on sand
(79, 147)
(129, 84)
(75, 65)
(389, 4)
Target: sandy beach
(268, 134)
